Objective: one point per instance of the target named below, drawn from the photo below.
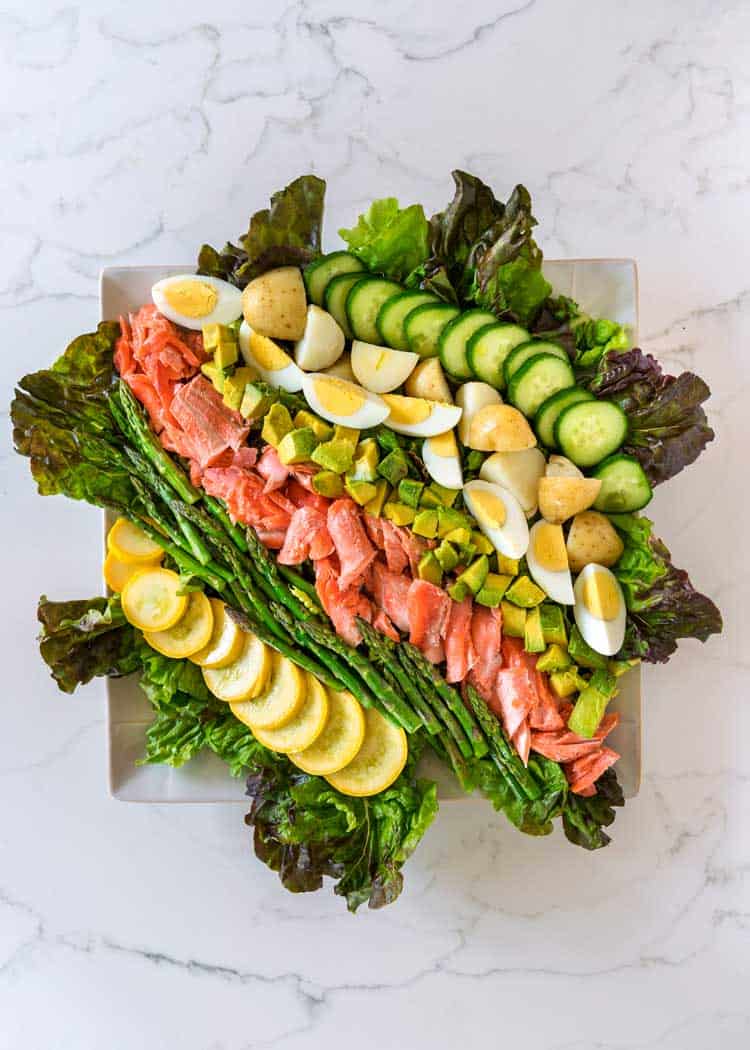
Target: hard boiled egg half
(599, 609)
(190, 300)
(547, 559)
(443, 461)
(418, 417)
(380, 369)
(270, 361)
(499, 516)
(342, 402)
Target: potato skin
(592, 538)
(562, 497)
(275, 304)
(428, 381)
(500, 428)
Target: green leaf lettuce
(389, 239)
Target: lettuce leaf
(585, 338)
(668, 429)
(286, 234)
(663, 606)
(389, 239)
(584, 818)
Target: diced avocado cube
(429, 569)
(514, 620)
(533, 638)
(446, 497)
(244, 375)
(399, 513)
(554, 658)
(234, 389)
(473, 460)
(327, 483)
(365, 464)
(473, 578)
(507, 566)
(360, 491)
(466, 553)
(336, 455)
(276, 425)
(375, 506)
(621, 667)
(350, 434)
(425, 521)
(592, 703)
(394, 467)
(482, 544)
(582, 653)
(429, 498)
(255, 403)
(226, 354)
(553, 624)
(447, 555)
(565, 683)
(297, 446)
(410, 492)
(322, 430)
(216, 335)
(458, 591)
(215, 374)
(493, 589)
(450, 519)
(524, 592)
(458, 537)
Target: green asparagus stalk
(185, 562)
(233, 531)
(502, 751)
(451, 697)
(382, 652)
(268, 571)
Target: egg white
(511, 538)
(441, 417)
(369, 414)
(445, 470)
(228, 305)
(604, 636)
(519, 472)
(556, 583)
(380, 369)
(287, 378)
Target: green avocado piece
(447, 555)
(350, 434)
(524, 592)
(592, 703)
(410, 492)
(327, 483)
(365, 465)
(554, 658)
(215, 374)
(473, 578)
(514, 620)
(226, 354)
(218, 335)
(565, 683)
(458, 537)
(399, 513)
(394, 467)
(450, 519)
(445, 497)
(582, 653)
(533, 637)
(507, 566)
(458, 591)
(276, 425)
(360, 491)
(493, 589)
(429, 569)
(234, 387)
(553, 623)
(429, 499)
(425, 521)
(322, 430)
(375, 506)
(482, 544)
(336, 455)
(297, 446)
(255, 403)
(621, 667)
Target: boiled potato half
(592, 538)
(428, 381)
(472, 397)
(560, 498)
(275, 304)
(323, 342)
(518, 472)
(500, 428)
(380, 369)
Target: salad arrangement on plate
(372, 502)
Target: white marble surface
(131, 132)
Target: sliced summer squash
(378, 762)
(281, 699)
(151, 600)
(131, 545)
(117, 573)
(191, 632)
(340, 740)
(305, 727)
(225, 642)
(245, 677)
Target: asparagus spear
(268, 572)
(503, 753)
(215, 508)
(382, 651)
(451, 724)
(451, 697)
(185, 562)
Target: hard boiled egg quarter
(547, 559)
(519, 472)
(599, 609)
(342, 402)
(443, 461)
(270, 361)
(190, 300)
(499, 516)
(380, 369)
(418, 417)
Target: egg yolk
(339, 397)
(407, 410)
(191, 298)
(444, 445)
(488, 508)
(268, 354)
(601, 596)
(549, 547)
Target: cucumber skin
(538, 421)
(343, 321)
(445, 335)
(540, 343)
(429, 306)
(525, 369)
(318, 297)
(427, 299)
(562, 445)
(498, 381)
(621, 457)
(370, 336)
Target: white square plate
(604, 288)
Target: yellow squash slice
(189, 634)
(117, 573)
(305, 727)
(377, 763)
(279, 702)
(225, 642)
(340, 740)
(131, 545)
(245, 677)
(151, 599)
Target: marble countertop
(134, 133)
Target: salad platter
(374, 530)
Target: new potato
(500, 428)
(275, 304)
(592, 538)
(428, 381)
(562, 497)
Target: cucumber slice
(393, 313)
(455, 336)
(363, 303)
(625, 486)
(541, 377)
(549, 410)
(334, 298)
(521, 354)
(321, 271)
(590, 431)
(424, 325)
(488, 348)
